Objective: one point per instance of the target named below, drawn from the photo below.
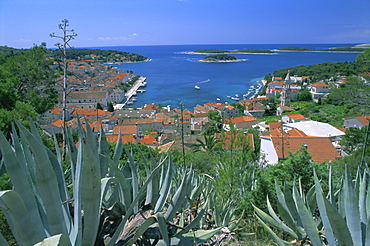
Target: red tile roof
(125, 130)
(125, 139)
(319, 84)
(241, 119)
(320, 147)
(296, 116)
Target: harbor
(130, 95)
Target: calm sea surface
(172, 73)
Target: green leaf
(103, 150)
(338, 225)
(178, 198)
(163, 228)
(90, 192)
(57, 240)
(22, 182)
(306, 218)
(45, 182)
(277, 239)
(18, 218)
(323, 212)
(352, 209)
(164, 192)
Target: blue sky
(162, 22)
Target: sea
(172, 73)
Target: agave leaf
(155, 183)
(352, 209)
(306, 218)
(103, 150)
(338, 224)
(135, 177)
(90, 192)
(367, 232)
(323, 212)
(140, 230)
(273, 222)
(18, 217)
(362, 198)
(164, 192)
(281, 223)
(179, 196)
(331, 191)
(46, 181)
(2, 240)
(76, 233)
(277, 239)
(57, 240)
(163, 228)
(368, 201)
(292, 205)
(129, 209)
(125, 193)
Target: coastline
(225, 53)
(323, 51)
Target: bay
(172, 73)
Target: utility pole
(68, 35)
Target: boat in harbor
(197, 87)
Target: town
(100, 94)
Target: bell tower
(285, 93)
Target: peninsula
(354, 49)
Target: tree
(304, 95)
(99, 106)
(356, 92)
(110, 107)
(209, 145)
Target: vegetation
(314, 218)
(119, 204)
(210, 51)
(222, 57)
(99, 55)
(255, 51)
(356, 48)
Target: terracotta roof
(240, 119)
(151, 106)
(125, 139)
(89, 111)
(148, 140)
(296, 116)
(320, 147)
(363, 119)
(125, 130)
(319, 84)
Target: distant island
(220, 58)
(355, 49)
(243, 51)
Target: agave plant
(342, 220)
(110, 202)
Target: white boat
(218, 99)
(197, 87)
(228, 96)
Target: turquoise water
(172, 73)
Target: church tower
(285, 94)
